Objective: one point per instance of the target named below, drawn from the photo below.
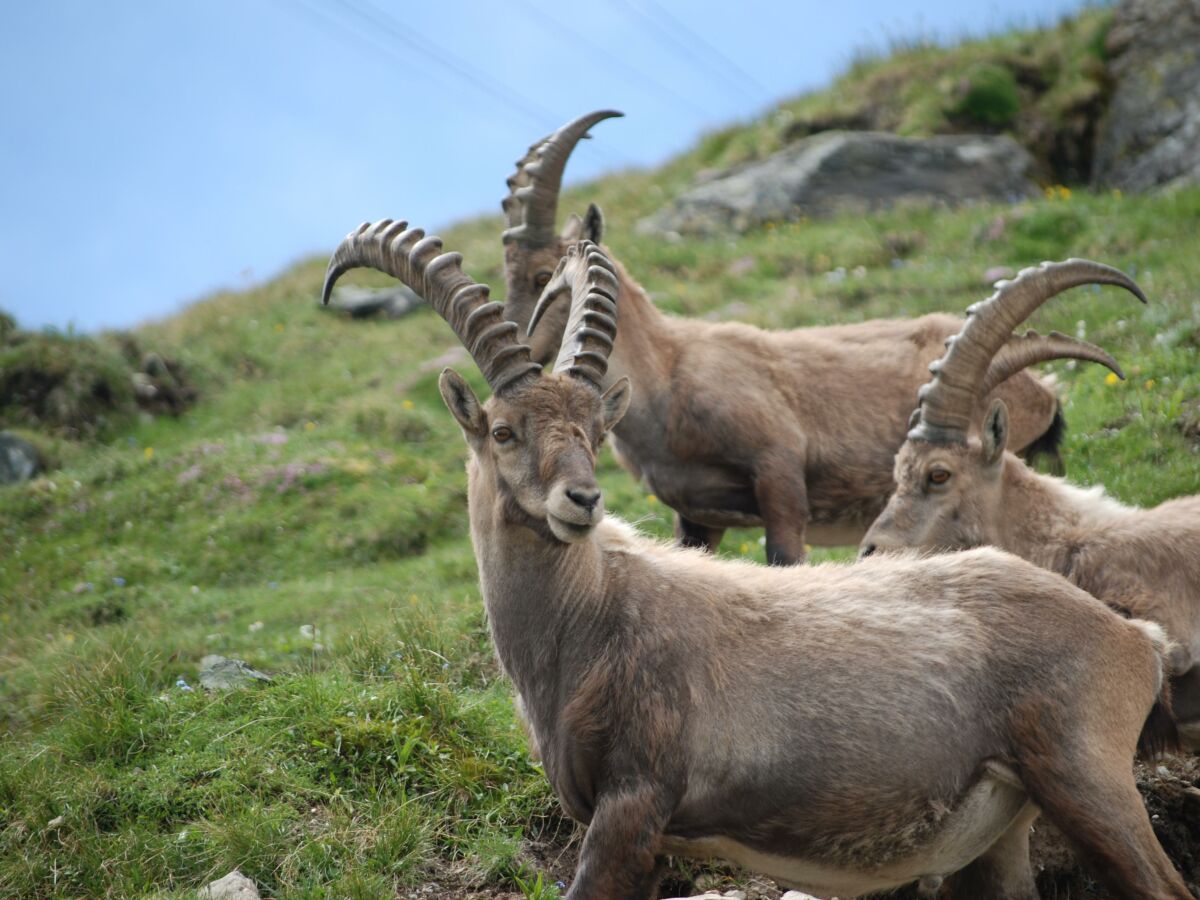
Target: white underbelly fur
(985, 813)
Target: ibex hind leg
(1003, 872)
(1091, 796)
(693, 534)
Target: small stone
(19, 459)
(56, 822)
(234, 886)
(218, 673)
(797, 895)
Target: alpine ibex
(955, 491)
(732, 425)
(844, 728)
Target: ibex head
(533, 247)
(948, 484)
(535, 440)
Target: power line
(447, 60)
(636, 75)
(448, 63)
(714, 51)
(688, 47)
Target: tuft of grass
(989, 96)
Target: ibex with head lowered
(731, 425)
(955, 491)
(846, 728)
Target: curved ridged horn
(531, 206)
(1032, 348)
(592, 325)
(947, 402)
(418, 261)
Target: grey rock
(234, 886)
(19, 459)
(797, 895)
(846, 170)
(218, 673)
(1149, 137)
(363, 303)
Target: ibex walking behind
(732, 425)
(846, 729)
(955, 491)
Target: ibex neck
(644, 341)
(546, 601)
(1045, 518)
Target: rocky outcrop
(363, 303)
(1150, 135)
(856, 171)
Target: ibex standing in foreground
(954, 492)
(732, 425)
(843, 728)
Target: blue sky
(154, 152)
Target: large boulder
(1150, 136)
(850, 170)
(19, 459)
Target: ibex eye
(542, 279)
(939, 476)
(502, 434)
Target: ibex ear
(573, 229)
(995, 432)
(593, 223)
(616, 402)
(463, 403)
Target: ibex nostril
(585, 498)
(866, 551)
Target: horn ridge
(592, 323)
(985, 351)
(416, 259)
(534, 187)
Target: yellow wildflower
(651, 499)
(407, 404)
(148, 453)
(1150, 383)
(1111, 378)
(309, 426)
(745, 548)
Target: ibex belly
(987, 809)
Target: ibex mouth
(570, 532)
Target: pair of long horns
(417, 260)
(531, 207)
(986, 352)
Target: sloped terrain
(308, 515)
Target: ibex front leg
(693, 534)
(619, 859)
(783, 504)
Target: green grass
(309, 516)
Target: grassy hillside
(309, 516)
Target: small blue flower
(561, 885)
(181, 684)
(272, 584)
(119, 581)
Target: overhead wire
(691, 49)
(641, 78)
(673, 21)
